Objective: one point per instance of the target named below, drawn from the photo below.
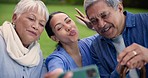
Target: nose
(101, 22)
(35, 26)
(67, 27)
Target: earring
(13, 24)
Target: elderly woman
(20, 53)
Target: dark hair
(48, 26)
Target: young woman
(71, 52)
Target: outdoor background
(47, 45)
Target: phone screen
(84, 72)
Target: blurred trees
(136, 3)
(75, 2)
(127, 3)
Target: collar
(130, 19)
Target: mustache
(107, 26)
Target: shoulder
(143, 17)
(56, 60)
(141, 20)
(2, 48)
(58, 55)
(137, 16)
(88, 40)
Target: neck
(123, 24)
(72, 48)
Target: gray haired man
(122, 37)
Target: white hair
(88, 3)
(112, 3)
(26, 5)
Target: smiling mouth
(105, 29)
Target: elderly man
(122, 40)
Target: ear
(54, 38)
(120, 7)
(14, 18)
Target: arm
(54, 74)
(55, 67)
(90, 39)
(104, 69)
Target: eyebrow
(99, 14)
(60, 23)
(57, 24)
(31, 14)
(66, 18)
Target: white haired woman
(20, 53)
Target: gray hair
(26, 5)
(111, 3)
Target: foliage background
(128, 3)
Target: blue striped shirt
(104, 53)
(61, 59)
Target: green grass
(47, 45)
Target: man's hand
(134, 56)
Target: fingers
(128, 56)
(122, 70)
(134, 56)
(48, 75)
(68, 74)
(81, 18)
(80, 13)
(136, 62)
(126, 51)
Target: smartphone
(84, 72)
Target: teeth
(106, 29)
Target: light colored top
(11, 69)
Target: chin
(109, 37)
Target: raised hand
(83, 18)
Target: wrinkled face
(64, 29)
(29, 26)
(107, 21)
